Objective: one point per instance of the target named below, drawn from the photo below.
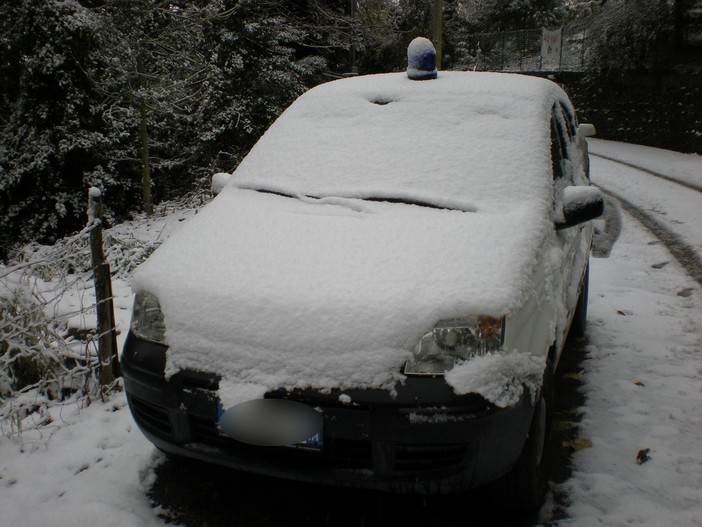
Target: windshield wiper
(268, 191)
(377, 199)
(405, 201)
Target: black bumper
(423, 440)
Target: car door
(568, 170)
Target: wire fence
(48, 336)
(51, 349)
(521, 51)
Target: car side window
(558, 148)
(565, 152)
(569, 120)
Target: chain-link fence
(521, 51)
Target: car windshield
(461, 142)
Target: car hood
(272, 291)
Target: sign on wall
(551, 47)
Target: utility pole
(437, 30)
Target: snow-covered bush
(44, 358)
(72, 256)
(39, 361)
(24, 329)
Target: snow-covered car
(402, 258)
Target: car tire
(524, 487)
(579, 323)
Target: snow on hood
(272, 291)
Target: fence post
(541, 51)
(107, 333)
(502, 53)
(560, 53)
(520, 44)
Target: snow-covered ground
(642, 382)
(643, 374)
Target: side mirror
(580, 204)
(219, 181)
(586, 130)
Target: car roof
(466, 140)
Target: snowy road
(640, 374)
(668, 206)
(643, 374)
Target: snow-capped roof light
(421, 59)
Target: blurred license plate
(293, 421)
(313, 444)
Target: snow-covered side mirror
(586, 130)
(580, 204)
(219, 180)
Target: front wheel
(524, 487)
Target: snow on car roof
(465, 140)
(272, 291)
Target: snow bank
(90, 467)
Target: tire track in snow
(649, 171)
(685, 255)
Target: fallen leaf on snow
(573, 376)
(577, 444)
(660, 265)
(639, 383)
(643, 456)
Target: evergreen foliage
(630, 36)
(143, 96)
(50, 135)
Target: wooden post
(107, 333)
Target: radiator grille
(151, 417)
(424, 458)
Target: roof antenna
(421, 60)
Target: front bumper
(424, 440)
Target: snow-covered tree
(113, 93)
(484, 16)
(630, 35)
(265, 54)
(153, 74)
(50, 130)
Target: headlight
(147, 318)
(455, 340)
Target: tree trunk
(144, 137)
(437, 30)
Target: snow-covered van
(379, 294)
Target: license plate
(250, 422)
(313, 444)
